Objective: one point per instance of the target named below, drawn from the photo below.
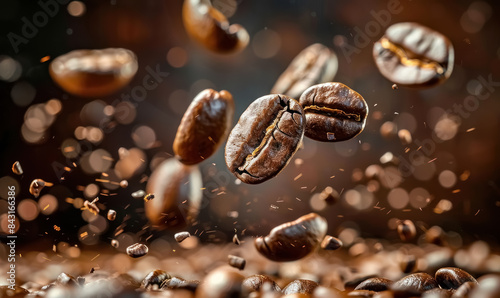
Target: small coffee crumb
(111, 214)
(236, 240)
(17, 169)
(331, 243)
(149, 197)
(181, 236)
(137, 250)
(395, 87)
(236, 262)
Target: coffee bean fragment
(417, 282)
(293, 240)
(410, 54)
(236, 240)
(236, 262)
(181, 236)
(300, 286)
(91, 206)
(111, 214)
(314, 65)
(334, 112)
(406, 230)
(453, 278)
(66, 280)
(148, 197)
(204, 126)
(115, 243)
(37, 185)
(256, 282)
(137, 250)
(331, 243)
(17, 169)
(154, 279)
(376, 284)
(395, 87)
(265, 138)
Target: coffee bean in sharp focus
(178, 193)
(410, 54)
(416, 282)
(204, 126)
(265, 138)
(376, 284)
(137, 250)
(300, 286)
(154, 279)
(334, 112)
(406, 230)
(293, 240)
(453, 278)
(256, 282)
(314, 65)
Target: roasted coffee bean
(329, 195)
(408, 263)
(111, 214)
(452, 278)
(352, 284)
(410, 54)
(181, 236)
(126, 281)
(376, 284)
(17, 169)
(123, 184)
(204, 126)
(314, 65)
(180, 283)
(488, 287)
(37, 185)
(437, 293)
(236, 240)
(334, 112)
(324, 292)
(361, 293)
(464, 290)
(94, 73)
(210, 28)
(91, 206)
(138, 194)
(236, 262)
(302, 286)
(178, 192)
(256, 282)
(331, 243)
(406, 230)
(222, 282)
(293, 240)
(154, 279)
(265, 138)
(115, 243)
(137, 250)
(435, 235)
(66, 280)
(418, 282)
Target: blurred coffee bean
(138, 194)
(406, 230)
(435, 235)
(236, 240)
(115, 243)
(293, 240)
(405, 136)
(137, 250)
(361, 293)
(265, 138)
(331, 243)
(418, 282)
(301, 286)
(395, 87)
(388, 130)
(94, 73)
(125, 281)
(324, 292)
(236, 262)
(464, 290)
(204, 126)
(180, 283)
(410, 54)
(334, 112)
(453, 278)
(17, 292)
(437, 293)
(181, 236)
(314, 65)
(329, 195)
(17, 169)
(154, 279)
(376, 284)
(37, 185)
(488, 287)
(178, 191)
(408, 263)
(111, 214)
(210, 28)
(66, 280)
(221, 283)
(255, 283)
(353, 283)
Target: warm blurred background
(454, 181)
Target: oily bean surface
(265, 138)
(204, 126)
(418, 282)
(300, 286)
(413, 55)
(256, 282)
(453, 278)
(376, 284)
(334, 112)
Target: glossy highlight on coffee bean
(413, 55)
(453, 278)
(314, 65)
(210, 28)
(293, 240)
(265, 138)
(334, 112)
(204, 126)
(417, 282)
